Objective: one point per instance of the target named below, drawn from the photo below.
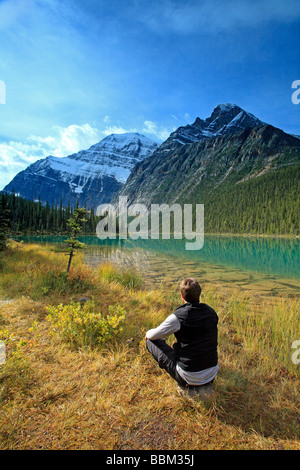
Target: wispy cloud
(161, 133)
(209, 16)
(107, 119)
(117, 130)
(12, 10)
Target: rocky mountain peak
(225, 118)
(229, 117)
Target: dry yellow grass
(53, 396)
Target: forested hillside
(26, 216)
(268, 204)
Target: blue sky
(76, 71)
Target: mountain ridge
(89, 176)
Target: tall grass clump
(14, 371)
(128, 278)
(52, 279)
(273, 329)
(263, 326)
(83, 326)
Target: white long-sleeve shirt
(169, 326)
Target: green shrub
(82, 326)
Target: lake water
(271, 266)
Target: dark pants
(166, 358)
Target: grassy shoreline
(59, 394)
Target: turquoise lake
(269, 265)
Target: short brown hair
(190, 290)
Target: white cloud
(162, 133)
(107, 119)
(71, 139)
(14, 157)
(116, 130)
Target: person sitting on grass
(193, 359)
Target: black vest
(197, 339)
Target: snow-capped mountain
(89, 176)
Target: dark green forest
(268, 204)
(30, 217)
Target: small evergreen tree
(75, 224)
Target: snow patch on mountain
(114, 156)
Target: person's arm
(166, 328)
